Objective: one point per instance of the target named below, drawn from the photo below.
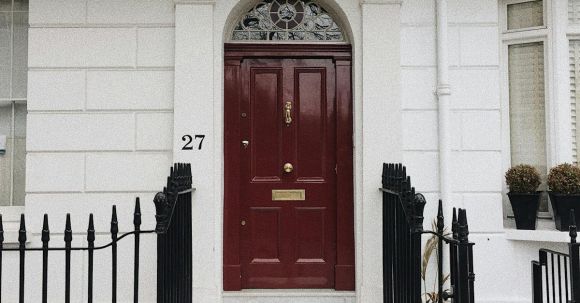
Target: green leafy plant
(564, 179)
(522, 179)
(431, 248)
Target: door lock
(245, 143)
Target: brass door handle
(288, 113)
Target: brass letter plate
(288, 195)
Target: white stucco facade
(113, 85)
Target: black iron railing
(174, 242)
(177, 193)
(402, 231)
(556, 275)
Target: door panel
(265, 134)
(311, 147)
(288, 243)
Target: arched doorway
(288, 152)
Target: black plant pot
(525, 206)
(561, 205)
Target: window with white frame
(13, 80)
(574, 52)
(524, 39)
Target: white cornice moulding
(382, 2)
(195, 2)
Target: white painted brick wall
(418, 130)
(129, 89)
(418, 88)
(55, 172)
(156, 46)
(57, 12)
(154, 131)
(130, 11)
(479, 45)
(81, 47)
(418, 46)
(56, 90)
(475, 88)
(80, 132)
(126, 171)
(481, 130)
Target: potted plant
(523, 181)
(564, 185)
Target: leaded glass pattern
(287, 20)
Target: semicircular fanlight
(287, 20)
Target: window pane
(5, 159)
(20, 55)
(527, 106)
(5, 46)
(575, 96)
(524, 15)
(19, 154)
(574, 11)
(5, 5)
(20, 5)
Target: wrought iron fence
(556, 275)
(173, 230)
(402, 231)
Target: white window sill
(545, 232)
(541, 235)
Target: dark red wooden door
(288, 218)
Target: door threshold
(290, 293)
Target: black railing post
(536, 282)
(174, 232)
(114, 232)
(462, 295)
(440, 231)
(1, 250)
(22, 247)
(91, 248)
(574, 261)
(45, 238)
(67, 241)
(137, 228)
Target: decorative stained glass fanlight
(290, 20)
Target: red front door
(288, 214)
(288, 195)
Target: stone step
(289, 296)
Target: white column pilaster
(381, 130)
(193, 115)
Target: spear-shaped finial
(22, 231)
(45, 230)
(91, 230)
(68, 230)
(114, 223)
(454, 224)
(440, 218)
(137, 214)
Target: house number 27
(188, 139)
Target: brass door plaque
(288, 195)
